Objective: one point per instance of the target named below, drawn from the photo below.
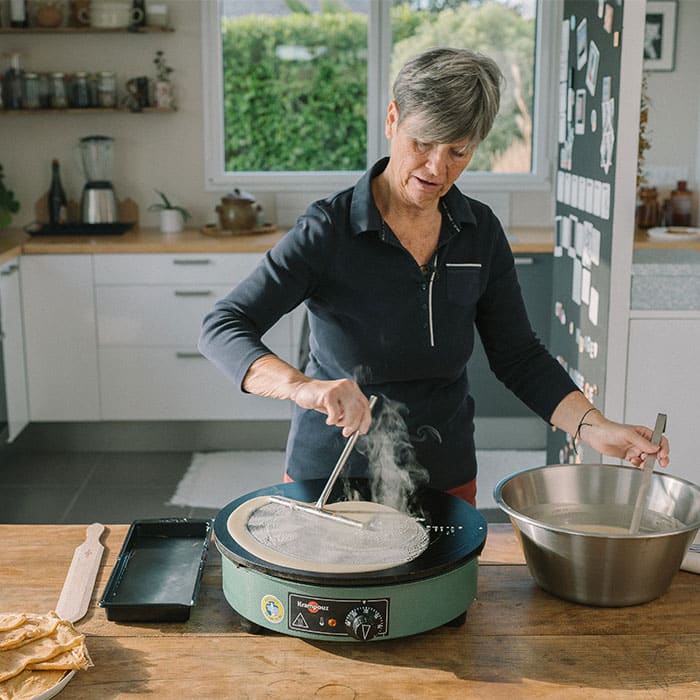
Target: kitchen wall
(165, 151)
(674, 113)
(152, 151)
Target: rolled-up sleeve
(231, 334)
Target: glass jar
(106, 89)
(44, 90)
(648, 212)
(31, 91)
(80, 91)
(59, 99)
(92, 89)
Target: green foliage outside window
(295, 86)
(303, 113)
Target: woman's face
(423, 171)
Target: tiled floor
(64, 487)
(83, 487)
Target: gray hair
(455, 93)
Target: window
(296, 90)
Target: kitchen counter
(642, 241)
(517, 642)
(666, 279)
(150, 240)
(13, 242)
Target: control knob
(364, 623)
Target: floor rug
(214, 479)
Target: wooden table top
(518, 641)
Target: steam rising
(394, 472)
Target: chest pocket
(463, 282)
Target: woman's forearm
(571, 409)
(273, 378)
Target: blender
(99, 203)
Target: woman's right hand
(340, 399)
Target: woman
(396, 272)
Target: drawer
(152, 316)
(159, 268)
(170, 384)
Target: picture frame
(660, 35)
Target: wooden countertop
(150, 240)
(518, 641)
(523, 240)
(642, 241)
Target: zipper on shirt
(431, 280)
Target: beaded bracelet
(577, 435)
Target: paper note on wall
(576, 282)
(593, 306)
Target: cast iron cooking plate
(457, 534)
(79, 229)
(157, 574)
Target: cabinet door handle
(191, 261)
(193, 292)
(188, 355)
(6, 271)
(524, 260)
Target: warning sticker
(300, 622)
(272, 609)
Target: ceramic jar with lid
(237, 211)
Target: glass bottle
(57, 197)
(682, 205)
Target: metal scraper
(642, 494)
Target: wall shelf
(90, 110)
(85, 30)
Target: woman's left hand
(629, 442)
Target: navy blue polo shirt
(376, 317)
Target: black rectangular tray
(158, 571)
(79, 229)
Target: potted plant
(172, 217)
(163, 88)
(8, 203)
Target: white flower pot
(171, 221)
(163, 94)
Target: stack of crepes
(36, 651)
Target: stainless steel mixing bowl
(550, 508)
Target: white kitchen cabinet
(149, 310)
(663, 377)
(13, 349)
(60, 336)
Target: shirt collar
(364, 215)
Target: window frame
(539, 178)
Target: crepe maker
(434, 589)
